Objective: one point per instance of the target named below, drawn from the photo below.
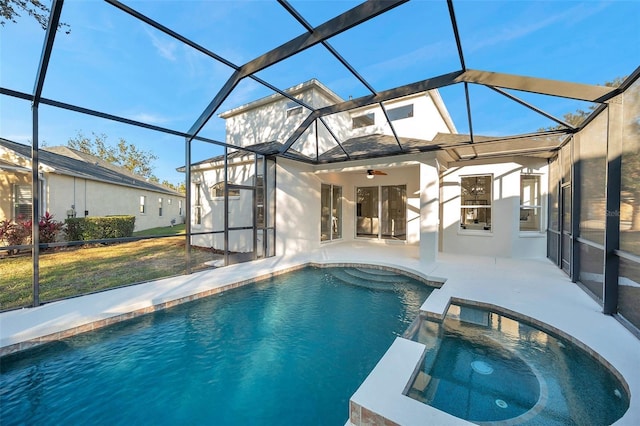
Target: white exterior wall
(240, 173)
(505, 238)
(103, 199)
(425, 123)
(298, 208)
(401, 170)
(269, 122)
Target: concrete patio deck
(532, 287)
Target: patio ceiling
(344, 43)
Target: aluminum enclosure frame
(319, 35)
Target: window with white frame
(475, 202)
(260, 218)
(293, 108)
(22, 201)
(197, 213)
(362, 120)
(180, 207)
(405, 111)
(143, 204)
(530, 203)
(160, 206)
(330, 212)
(217, 191)
(381, 212)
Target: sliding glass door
(381, 212)
(331, 212)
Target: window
(180, 207)
(330, 212)
(475, 200)
(217, 191)
(160, 206)
(143, 204)
(260, 202)
(530, 203)
(363, 121)
(293, 108)
(198, 204)
(399, 113)
(381, 212)
(22, 201)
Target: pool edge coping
(92, 325)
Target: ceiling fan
(373, 173)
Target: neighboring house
(73, 183)
(411, 195)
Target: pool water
(289, 350)
(485, 367)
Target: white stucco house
(75, 184)
(410, 195)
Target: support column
(429, 211)
(612, 218)
(187, 204)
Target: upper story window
(363, 120)
(405, 111)
(475, 202)
(217, 191)
(530, 203)
(293, 108)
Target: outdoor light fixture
(372, 173)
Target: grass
(166, 230)
(79, 270)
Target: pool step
(348, 278)
(376, 275)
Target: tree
(576, 118)
(34, 8)
(124, 154)
(180, 187)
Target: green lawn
(165, 230)
(74, 271)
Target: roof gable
(86, 166)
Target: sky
(116, 64)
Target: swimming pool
(288, 350)
(487, 367)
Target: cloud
(517, 31)
(165, 48)
(149, 118)
(435, 51)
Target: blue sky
(116, 64)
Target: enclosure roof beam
(326, 44)
(52, 29)
(528, 105)
(563, 89)
(398, 92)
(196, 46)
(456, 33)
(106, 116)
(349, 19)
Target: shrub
(19, 232)
(15, 233)
(49, 228)
(98, 228)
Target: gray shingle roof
(69, 162)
